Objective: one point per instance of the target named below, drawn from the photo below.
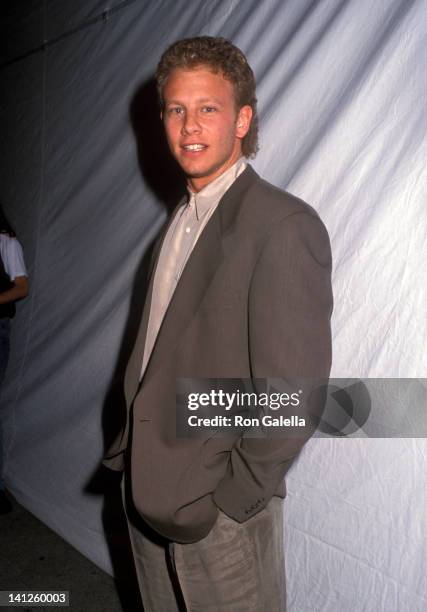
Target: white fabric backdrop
(342, 91)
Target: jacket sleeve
(289, 310)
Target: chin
(195, 174)
(194, 171)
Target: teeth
(194, 147)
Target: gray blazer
(253, 301)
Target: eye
(175, 110)
(208, 109)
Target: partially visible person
(13, 287)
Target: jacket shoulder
(266, 206)
(275, 200)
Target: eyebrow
(200, 101)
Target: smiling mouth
(194, 147)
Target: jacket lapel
(133, 369)
(195, 279)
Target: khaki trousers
(237, 567)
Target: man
(240, 289)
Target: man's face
(203, 128)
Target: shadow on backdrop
(163, 177)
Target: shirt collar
(210, 195)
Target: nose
(190, 125)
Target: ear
(161, 115)
(243, 121)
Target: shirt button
(187, 230)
